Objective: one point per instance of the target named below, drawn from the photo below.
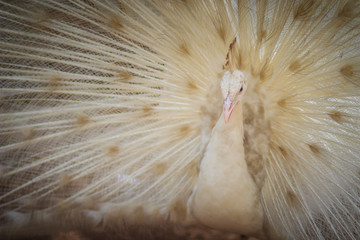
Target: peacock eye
(241, 89)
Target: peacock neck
(225, 196)
(233, 130)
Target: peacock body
(107, 109)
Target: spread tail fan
(107, 109)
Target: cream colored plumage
(107, 110)
(225, 196)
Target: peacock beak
(228, 108)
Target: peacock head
(233, 86)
